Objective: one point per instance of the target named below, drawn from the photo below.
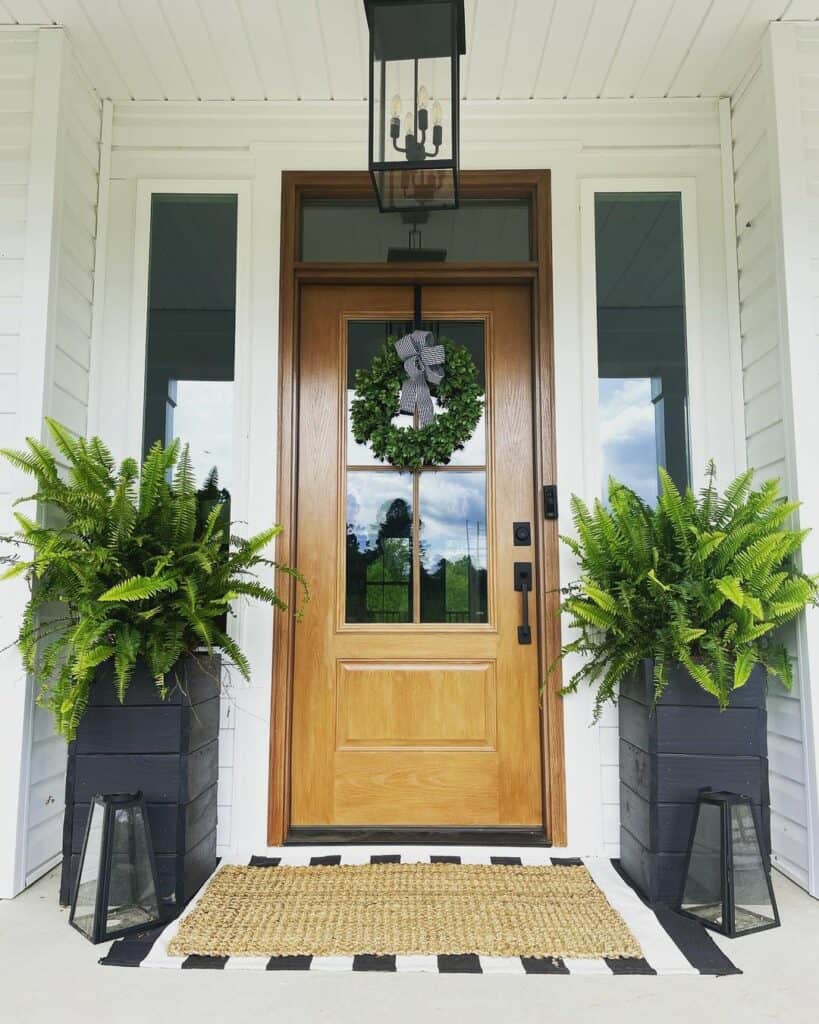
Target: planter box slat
(657, 875)
(678, 778)
(683, 691)
(123, 729)
(685, 730)
(164, 778)
(197, 681)
(668, 826)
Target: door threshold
(414, 836)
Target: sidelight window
(641, 339)
(189, 373)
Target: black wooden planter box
(668, 755)
(169, 750)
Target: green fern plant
(701, 580)
(126, 571)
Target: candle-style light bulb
(409, 125)
(423, 97)
(437, 113)
(396, 105)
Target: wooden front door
(414, 703)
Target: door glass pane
(453, 546)
(641, 339)
(364, 341)
(470, 334)
(191, 332)
(379, 547)
(488, 230)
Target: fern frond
(138, 588)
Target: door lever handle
(523, 583)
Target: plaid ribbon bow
(423, 363)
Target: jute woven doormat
(413, 909)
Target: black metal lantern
(116, 890)
(727, 882)
(415, 50)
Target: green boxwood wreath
(376, 401)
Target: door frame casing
(535, 186)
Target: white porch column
(791, 61)
(28, 268)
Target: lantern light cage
(116, 891)
(414, 74)
(727, 881)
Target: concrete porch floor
(48, 973)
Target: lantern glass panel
(418, 93)
(752, 897)
(405, 189)
(704, 894)
(415, 48)
(132, 897)
(89, 880)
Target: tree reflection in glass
(379, 547)
(453, 547)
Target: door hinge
(550, 501)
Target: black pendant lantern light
(727, 883)
(415, 50)
(116, 891)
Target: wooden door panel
(382, 705)
(413, 722)
(427, 787)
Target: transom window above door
(417, 543)
(354, 231)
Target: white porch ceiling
(316, 49)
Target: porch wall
(586, 145)
(774, 132)
(49, 158)
(763, 347)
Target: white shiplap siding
(18, 54)
(78, 226)
(49, 157)
(806, 72)
(18, 62)
(765, 426)
(66, 400)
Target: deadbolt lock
(522, 534)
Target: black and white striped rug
(671, 944)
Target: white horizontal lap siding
(18, 62)
(17, 66)
(762, 341)
(610, 780)
(224, 791)
(66, 400)
(806, 70)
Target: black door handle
(523, 583)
